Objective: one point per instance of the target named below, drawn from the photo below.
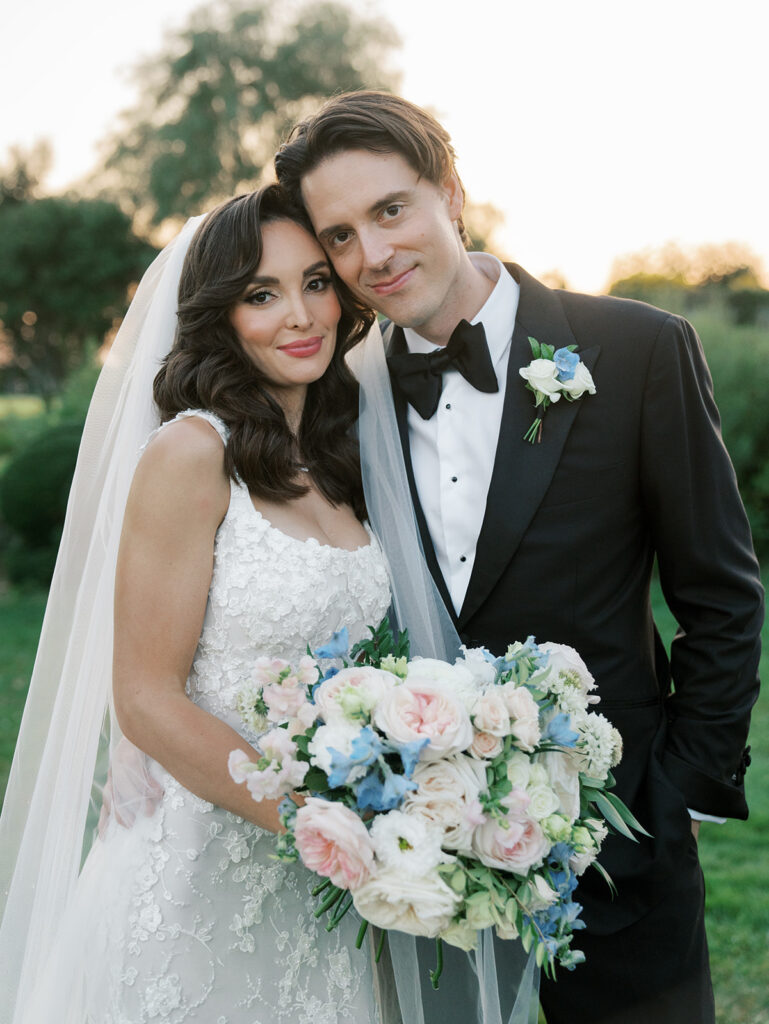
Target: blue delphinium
(566, 363)
(336, 647)
(558, 730)
(365, 750)
(382, 789)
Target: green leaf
(547, 351)
(606, 877)
(613, 816)
(534, 347)
(627, 815)
(316, 780)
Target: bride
(242, 535)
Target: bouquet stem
(329, 901)
(361, 934)
(436, 974)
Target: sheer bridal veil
(45, 828)
(474, 981)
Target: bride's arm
(178, 498)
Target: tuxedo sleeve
(708, 572)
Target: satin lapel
(395, 342)
(522, 471)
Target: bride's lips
(394, 283)
(303, 348)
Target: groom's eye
(340, 238)
(392, 210)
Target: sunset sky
(598, 128)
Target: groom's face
(391, 235)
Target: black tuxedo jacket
(571, 530)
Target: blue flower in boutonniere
(551, 375)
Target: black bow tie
(419, 376)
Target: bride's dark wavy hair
(207, 367)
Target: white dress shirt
(453, 452)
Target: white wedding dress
(186, 916)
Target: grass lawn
(733, 855)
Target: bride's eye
(318, 284)
(259, 297)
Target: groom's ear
(455, 195)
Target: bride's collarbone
(313, 517)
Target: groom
(557, 538)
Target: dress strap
(216, 422)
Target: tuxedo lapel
(395, 342)
(522, 471)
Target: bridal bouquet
(439, 799)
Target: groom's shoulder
(606, 317)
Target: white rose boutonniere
(551, 375)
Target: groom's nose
(376, 248)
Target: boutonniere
(551, 375)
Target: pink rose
(485, 746)
(334, 842)
(371, 682)
(512, 844)
(423, 708)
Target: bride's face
(287, 318)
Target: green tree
(216, 102)
(725, 276)
(482, 222)
(65, 267)
(22, 174)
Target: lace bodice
(273, 594)
(188, 915)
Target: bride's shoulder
(186, 455)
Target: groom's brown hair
(375, 121)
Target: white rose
(581, 382)
(566, 670)
(542, 374)
(563, 775)
(524, 715)
(490, 714)
(519, 769)
(475, 662)
(448, 790)
(543, 801)
(417, 906)
(458, 679)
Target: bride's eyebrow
(263, 279)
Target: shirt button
(448, 405)
(453, 479)
(462, 558)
